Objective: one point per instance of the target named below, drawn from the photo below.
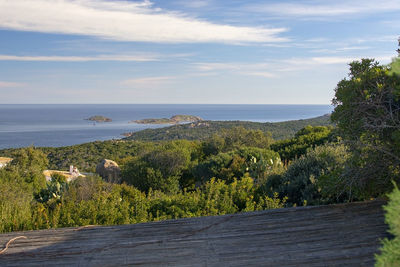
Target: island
(173, 120)
(99, 118)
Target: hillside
(336, 235)
(204, 129)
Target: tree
(306, 138)
(30, 163)
(367, 113)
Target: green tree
(367, 113)
(306, 138)
(28, 165)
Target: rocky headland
(173, 120)
(99, 118)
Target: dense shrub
(216, 197)
(92, 201)
(308, 180)
(160, 168)
(390, 252)
(234, 164)
(306, 138)
(15, 207)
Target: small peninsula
(173, 120)
(99, 118)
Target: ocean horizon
(57, 125)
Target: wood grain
(335, 235)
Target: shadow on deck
(335, 235)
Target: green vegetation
(395, 66)
(205, 129)
(306, 138)
(390, 252)
(231, 171)
(94, 201)
(86, 156)
(367, 114)
(173, 120)
(311, 179)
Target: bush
(15, 207)
(390, 252)
(257, 162)
(306, 138)
(306, 179)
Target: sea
(64, 125)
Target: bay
(64, 125)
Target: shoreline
(118, 134)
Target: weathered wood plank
(336, 235)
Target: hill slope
(336, 235)
(204, 129)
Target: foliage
(237, 163)
(390, 252)
(15, 206)
(206, 129)
(19, 181)
(395, 66)
(308, 180)
(159, 169)
(306, 138)
(367, 113)
(51, 195)
(216, 197)
(28, 165)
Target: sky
(188, 52)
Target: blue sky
(180, 51)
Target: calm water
(62, 125)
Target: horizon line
(319, 104)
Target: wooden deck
(336, 235)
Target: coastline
(63, 125)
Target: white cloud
(328, 8)
(148, 82)
(275, 68)
(250, 69)
(215, 66)
(4, 84)
(123, 21)
(264, 74)
(313, 61)
(137, 58)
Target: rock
(176, 119)
(98, 118)
(109, 171)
